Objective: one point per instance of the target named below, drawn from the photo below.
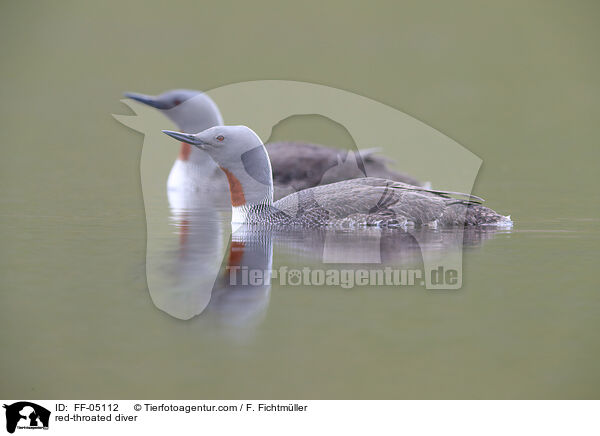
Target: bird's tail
(472, 214)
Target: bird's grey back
(373, 201)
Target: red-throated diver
(368, 201)
(296, 165)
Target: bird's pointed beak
(185, 137)
(149, 100)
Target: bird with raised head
(296, 165)
(368, 201)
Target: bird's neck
(250, 184)
(184, 152)
(188, 154)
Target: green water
(516, 84)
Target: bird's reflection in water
(241, 292)
(202, 278)
(192, 274)
(376, 246)
(182, 268)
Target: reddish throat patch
(235, 188)
(184, 152)
(236, 253)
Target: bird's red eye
(220, 138)
(177, 102)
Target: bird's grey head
(192, 111)
(225, 144)
(242, 156)
(166, 100)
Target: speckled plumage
(372, 201)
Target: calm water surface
(523, 324)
